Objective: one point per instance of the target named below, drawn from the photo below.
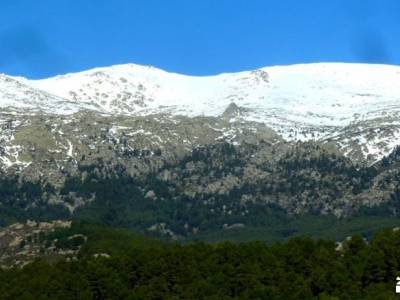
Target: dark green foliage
(17, 196)
(100, 238)
(302, 268)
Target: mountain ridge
(200, 153)
(322, 101)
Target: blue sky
(42, 38)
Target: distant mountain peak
(323, 101)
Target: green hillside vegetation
(308, 191)
(102, 239)
(326, 227)
(301, 268)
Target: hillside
(178, 155)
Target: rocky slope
(22, 243)
(307, 138)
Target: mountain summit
(354, 106)
(196, 153)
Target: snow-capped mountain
(308, 138)
(314, 94)
(356, 107)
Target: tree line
(301, 268)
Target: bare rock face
(232, 111)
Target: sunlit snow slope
(355, 106)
